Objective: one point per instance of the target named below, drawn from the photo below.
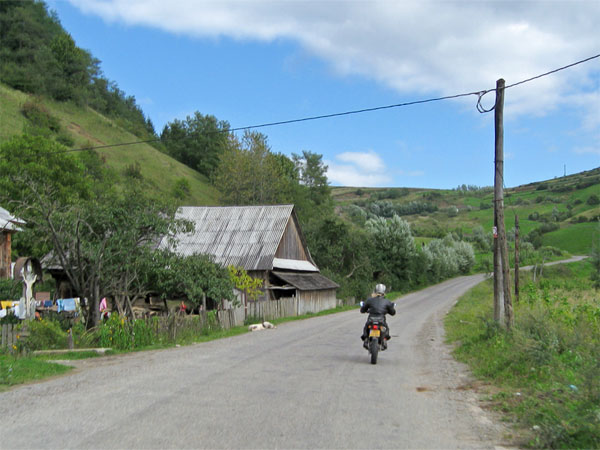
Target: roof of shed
(245, 236)
(307, 281)
(8, 221)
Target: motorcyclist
(377, 307)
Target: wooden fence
(9, 336)
(273, 309)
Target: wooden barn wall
(291, 246)
(315, 301)
(5, 257)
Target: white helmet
(380, 289)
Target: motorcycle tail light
(375, 327)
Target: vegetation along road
(306, 384)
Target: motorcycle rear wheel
(373, 350)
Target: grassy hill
(563, 207)
(84, 127)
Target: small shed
(267, 242)
(8, 226)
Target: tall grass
(548, 367)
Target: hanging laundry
(6, 304)
(66, 304)
(48, 303)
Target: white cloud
(369, 161)
(360, 169)
(416, 47)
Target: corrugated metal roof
(9, 222)
(307, 281)
(245, 236)
(294, 264)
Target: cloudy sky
(254, 62)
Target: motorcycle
(375, 341)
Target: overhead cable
(479, 107)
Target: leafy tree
(395, 249)
(198, 141)
(191, 276)
(250, 286)
(313, 175)
(250, 174)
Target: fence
(9, 336)
(273, 309)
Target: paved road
(306, 384)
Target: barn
(267, 242)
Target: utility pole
(501, 245)
(516, 258)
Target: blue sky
(253, 62)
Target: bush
(40, 117)
(133, 171)
(181, 189)
(593, 200)
(45, 335)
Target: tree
(395, 248)
(193, 276)
(313, 175)
(343, 252)
(198, 141)
(250, 174)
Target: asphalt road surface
(306, 384)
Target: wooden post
(499, 201)
(516, 258)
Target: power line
(479, 94)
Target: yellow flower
(14, 347)
(18, 336)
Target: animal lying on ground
(261, 326)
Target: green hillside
(83, 127)
(565, 210)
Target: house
(264, 240)
(8, 226)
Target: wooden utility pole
(516, 258)
(501, 242)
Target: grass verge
(15, 371)
(545, 373)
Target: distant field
(577, 239)
(563, 201)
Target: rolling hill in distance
(565, 208)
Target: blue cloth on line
(48, 303)
(66, 304)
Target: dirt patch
(76, 129)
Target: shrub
(45, 334)
(181, 189)
(40, 117)
(134, 171)
(593, 200)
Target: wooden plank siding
(5, 254)
(315, 301)
(291, 245)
